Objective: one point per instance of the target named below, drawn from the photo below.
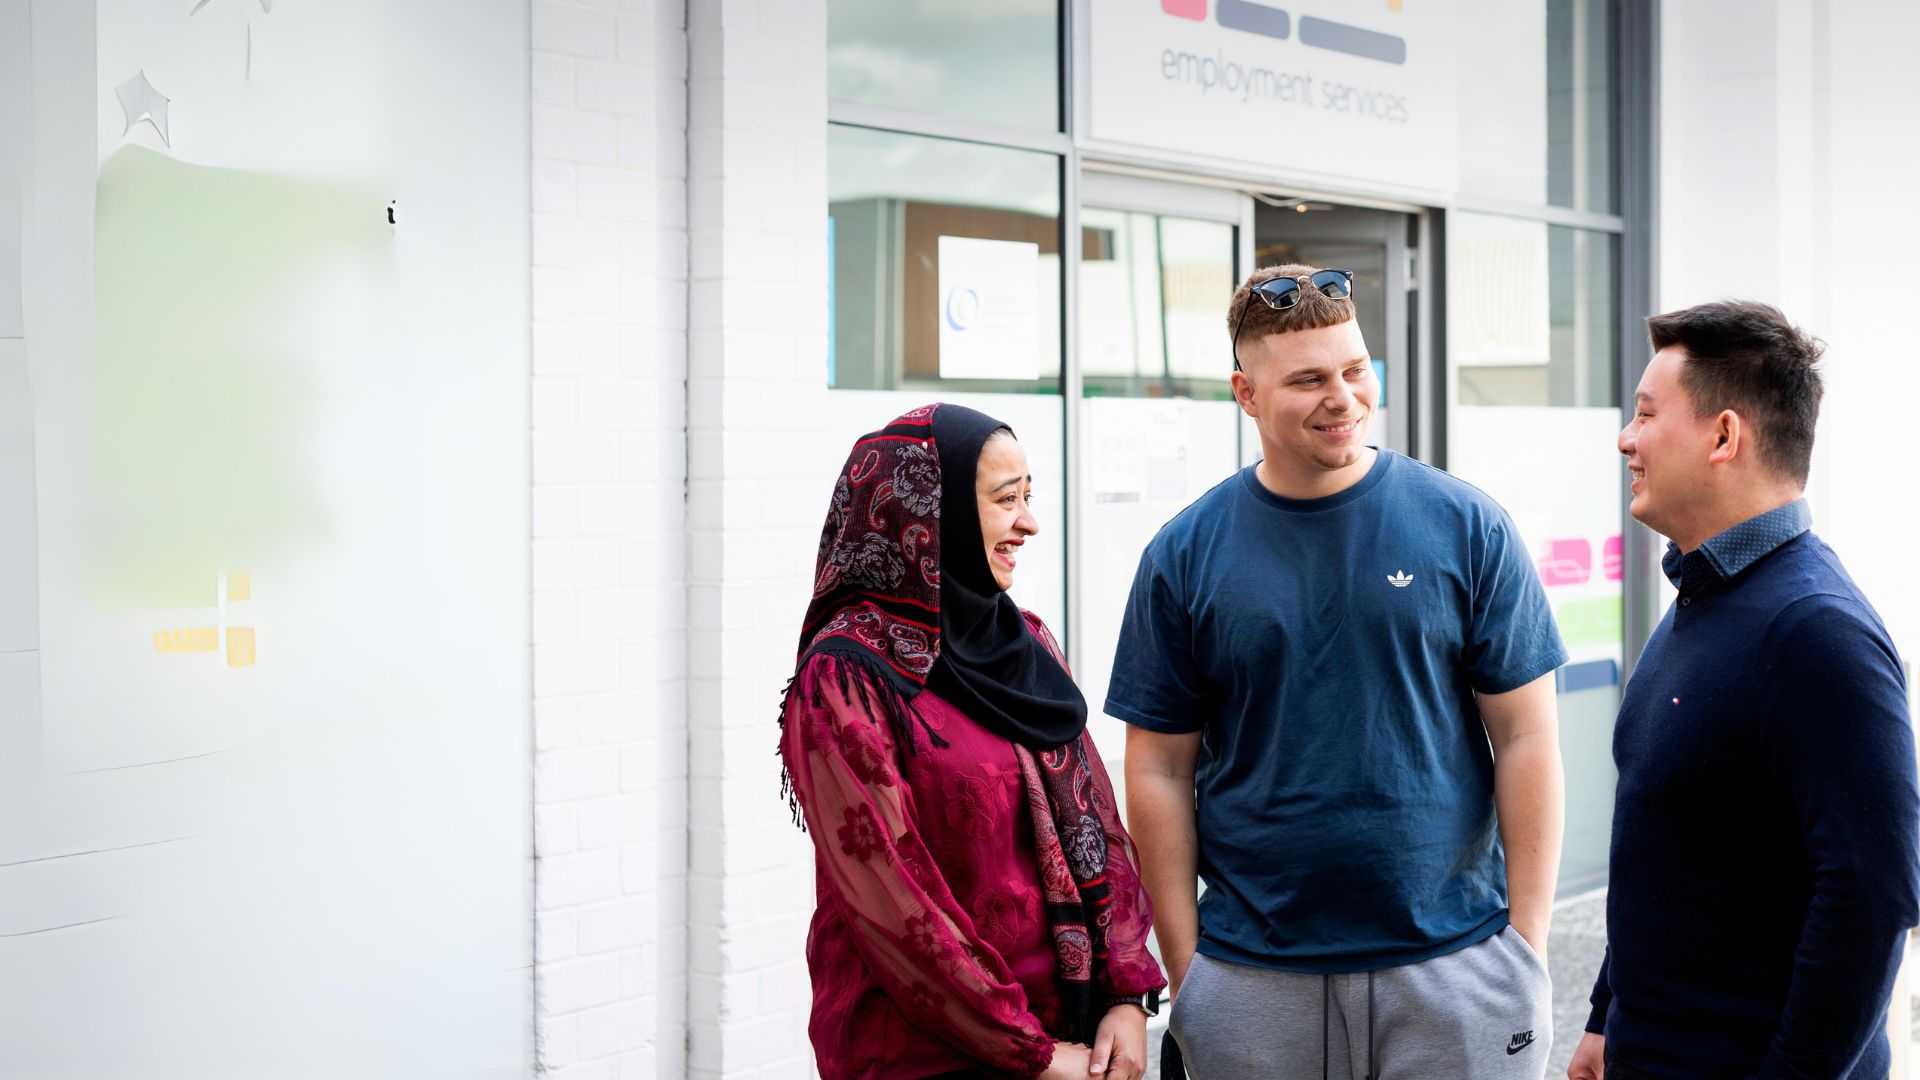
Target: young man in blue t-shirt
(1763, 870)
(1338, 670)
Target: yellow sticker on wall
(189, 639)
(239, 646)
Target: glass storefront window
(997, 62)
(1532, 316)
(1153, 298)
(1533, 313)
(946, 286)
(946, 264)
(1537, 115)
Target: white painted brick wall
(608, 422)
(758, 485)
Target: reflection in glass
(1580, 104)
(998, 62)
(1536, 117)
(1153, 303)
(946, 264)
(1533, 313)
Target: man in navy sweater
(1763, 868)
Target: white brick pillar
(759, 480)
(609, 544)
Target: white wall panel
(276, 821)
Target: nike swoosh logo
(1516, 1046)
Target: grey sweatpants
(1483, 1013)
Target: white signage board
(1354, 94)
(989, 309)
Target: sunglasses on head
(1282, 293)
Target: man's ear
(1730, 436)
(1243, 393)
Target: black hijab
(990, 665)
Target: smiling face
(1312, 394)
(1669, 451)
(1003, 486)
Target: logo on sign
(963, 307)
(1275, 22)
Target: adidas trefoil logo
(1400, 580)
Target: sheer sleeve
(1131, 970)
(913, 937)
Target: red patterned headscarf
(876, 584)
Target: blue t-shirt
(1328, 651)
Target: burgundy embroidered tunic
(930, 948)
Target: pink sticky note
(1185, 9)
(1565, 562)
(1610, 558)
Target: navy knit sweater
(1763, 860)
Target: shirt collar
(1727, 553)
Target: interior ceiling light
(1289, 202)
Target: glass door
(1379, 247)
(1157, 422)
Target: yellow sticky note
(239, 587)
(239, 646)
(189, 639)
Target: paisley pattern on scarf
(876, 585)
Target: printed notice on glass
(989, 309)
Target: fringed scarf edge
(860, 676)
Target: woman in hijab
(980, 907)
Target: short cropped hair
(1746, 356)
(1315, 309)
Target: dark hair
(1314, 310)
(1746, 356)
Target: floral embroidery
(998, 918)
(924, 938)
(860, 837)
(970, 805)
(864, 757)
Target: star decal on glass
(140, 101)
